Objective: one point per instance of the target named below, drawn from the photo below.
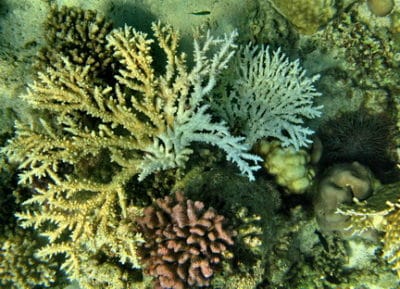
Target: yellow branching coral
(381, 212)
(88, 213)
(145, 122)
(391, 248)
(19, 268)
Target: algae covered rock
(306, 15)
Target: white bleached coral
(268, 96)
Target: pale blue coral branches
(192, 121)
(268, 96)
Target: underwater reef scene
(224, 144)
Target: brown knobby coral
(80, 37)
(305, 15)
(184, 242)
(339, 185)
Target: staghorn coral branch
(133, 50)
(209, 69)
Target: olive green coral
(306, 15)
(365, 56)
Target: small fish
(200, 13)
(323, 241)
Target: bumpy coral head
(380, 7)
(358, 136)
(184, 242)
(339, 185)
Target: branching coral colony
(268, 96)
(134, 124)
(104, 108)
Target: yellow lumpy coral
(380, 7)
(290, 167)
(306, 15)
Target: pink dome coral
(184, 242)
